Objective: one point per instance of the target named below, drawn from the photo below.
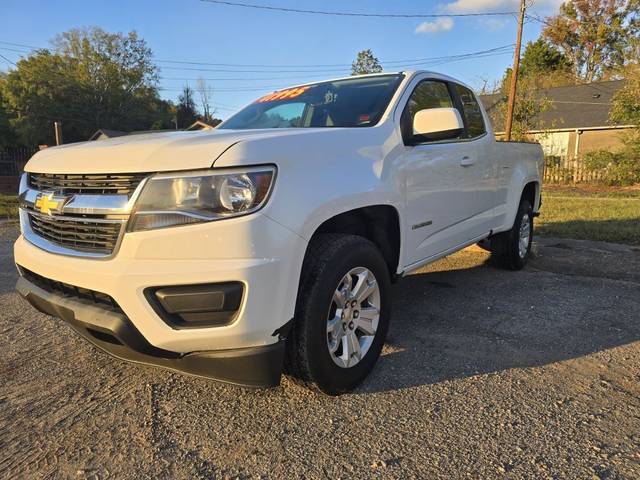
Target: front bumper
(114, 333)
(256, 251)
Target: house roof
(572, 106)
(203, 125)
(106, 133)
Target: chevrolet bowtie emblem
(47, 203)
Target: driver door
(441, 183)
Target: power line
(254, 65)
(436, 61)
(263, 88)
(391, 63)
(15, 50)
(425, 62)
(6, 59)
(20, 45)
(582, 21)
(345, 67)
(243, 88)
(239, 79)
(536, 18)
(353, 14)
(218, 70)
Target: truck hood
(152, 152)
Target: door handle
(467, 161)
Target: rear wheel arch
(531, 192)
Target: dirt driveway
(486, 374)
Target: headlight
(178, 199)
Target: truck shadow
(476, 319)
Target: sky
(287, 48)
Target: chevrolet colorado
(272, 240)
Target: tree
(593, 34)
(365, 63)
(529, 105)
(186, 112)
(626, 102)
(632, 52)
(528, 108)
(543, 60)
(543, 65)
(7, 135)
(93, 79)
(206, 99)
(621, 166)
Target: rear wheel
(342, 313)
(511, 249)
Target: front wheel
(511, 249)
(342, 313)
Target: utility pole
(57, 128)
(514, 75)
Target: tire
(321, 347)
(506, 247)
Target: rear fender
(520, 179)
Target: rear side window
(471, 112)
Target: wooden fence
(569, 170)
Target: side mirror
(437, 123)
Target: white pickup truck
(271, 242)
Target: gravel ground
(486, 374)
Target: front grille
(96, 184)
(77, 233)
(70, 291)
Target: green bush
(618, 168)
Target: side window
(472, 113)
(427, 94)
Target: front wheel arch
(380, 224)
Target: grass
(588, 213)
(609, 215)
(597, 191)
(8, 206)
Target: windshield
(353, 102)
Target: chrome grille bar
(123, 184)
(84, 234)
(91, 215)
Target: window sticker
(283, 94)
(330, 97)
